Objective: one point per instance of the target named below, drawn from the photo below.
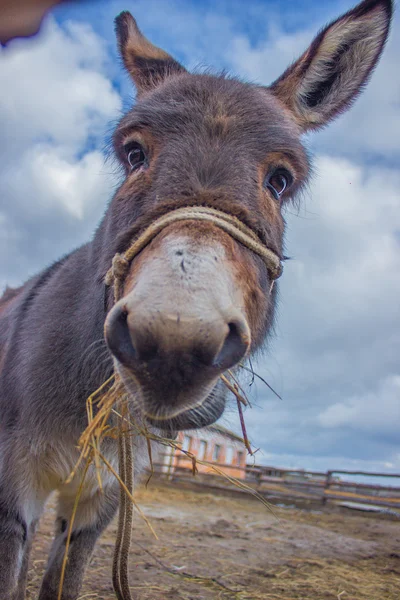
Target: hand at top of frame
(22, 18)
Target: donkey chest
(61, 468)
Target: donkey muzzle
(180, 325)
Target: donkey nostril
(118, 337)
(235, 345)
(145, 345)
(129, 339)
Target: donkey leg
(92, 517)
(16, 533)
(23, 574)
(13, 538)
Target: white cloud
(377, 411)
(354, 250)
(53, 183)
(56, 87)
(267, 61)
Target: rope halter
(115, 277)
(228, 223)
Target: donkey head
(195, 301)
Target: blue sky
(334, 358)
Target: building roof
(226, 432)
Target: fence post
(327, 484)
(259, 476)
(171, 467)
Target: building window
(202, 450)
(229, 455)
(216, 452)
(187, 442)
(240, 457)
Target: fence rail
(292, 483)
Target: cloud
(368, 412)
(56, 88)
(267, 61)
(53, 183)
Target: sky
(334, 354)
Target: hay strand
(70, 527)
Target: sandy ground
(235, 549)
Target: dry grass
(101, 412)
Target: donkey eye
(135, 155)
(277, 182)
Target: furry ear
(147, 65)
(328, 77)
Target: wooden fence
(327, 486)
(276, 483)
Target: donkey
(195, 301)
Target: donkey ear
(328, 77)
(147, 65)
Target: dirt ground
(230, 548)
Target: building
(215, 445)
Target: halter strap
(228, 223)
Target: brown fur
(141, 57)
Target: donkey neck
(55, 352)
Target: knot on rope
(118, 271)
